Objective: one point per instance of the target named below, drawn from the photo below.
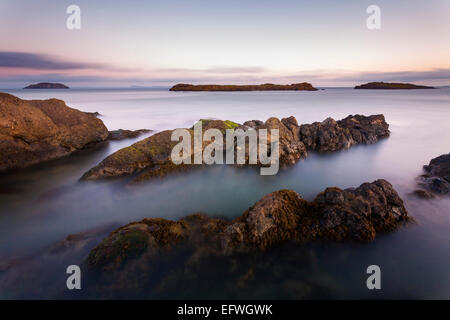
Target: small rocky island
(47, 85)
(391, 85)
(304, 86)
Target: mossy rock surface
(282, 216)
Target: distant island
(47, 85)
(261, 87)
(392, 85)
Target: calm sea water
(42, 205)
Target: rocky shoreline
(304, 86)
(150, 157)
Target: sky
(161, 43)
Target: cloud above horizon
(368, 76)
(57, 69)
(11, 59)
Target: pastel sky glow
(154, 43)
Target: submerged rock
(261, 87)
(151, 157)
(34, 131)
(282, 216)
(423, 194)
(437, 175)
(122, 134)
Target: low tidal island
(304, 86)
(391, 85)
(47, 85)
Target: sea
(41, 205)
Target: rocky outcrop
(33, 131)
(261, 87)
(392, 85)
(282, 216)
(436, 178)
(122, 134)
(47, 85)
(332, 135)
(152, 153)
(151, 157)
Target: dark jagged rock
(392, 85)
(47, 85)
(261, 87)
(331, 135)
(279, 217)
(365, 130)
(122, 134)
(34, 131)
(151, 157)
(437, 175)
(291, 149)
(325, 136)
(253, 123)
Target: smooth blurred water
(43, 204)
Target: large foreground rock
(436, 178)
(33, 131)
(282, 216)
(151, 157)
